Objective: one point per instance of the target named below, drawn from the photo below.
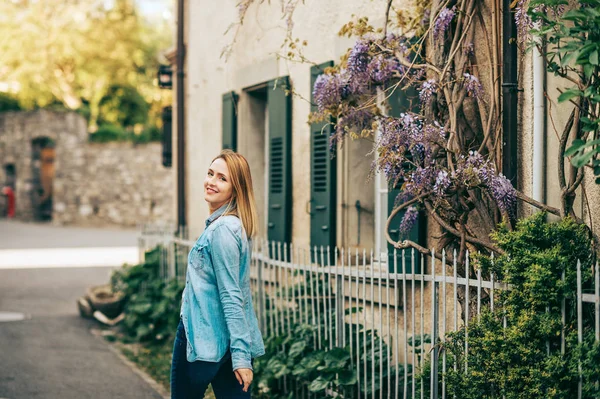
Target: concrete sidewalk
(28, 245)
(52, 354)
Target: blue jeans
(190, 380)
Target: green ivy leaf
(566, 60)
(582, 159)
(588, 70)
(575, 146)
(594, 57)
(297, 348)
(569, 94)
(318, 385)
(310, 362)
(347, 377)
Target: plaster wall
(253, 60)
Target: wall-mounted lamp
(165, 77)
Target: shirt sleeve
(226, 249)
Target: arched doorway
(42, 177)
(7, 196)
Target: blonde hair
(242, 202)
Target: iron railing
(389, 311)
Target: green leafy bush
(8, 103)
(152, 304)
(524, 359)
(108, 133)
(149, 134)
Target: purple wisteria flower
(472, 85)
(420, 180)
(443, 21)
(405, 146)
(353, 120)
(409, 220)
(525, 23)
(522, 19)
(427, 90)
(358, 60)
(381, 69)
(504, 194)
(442, 182)
(475, 171)
(327, 91)
(434, 133)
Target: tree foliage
(72, 52)
(124, 106)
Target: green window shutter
(279, 109)
(229, 124)
(404, 101)
(322, 177)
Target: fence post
(434, 328)
(579, 325)
(261, 289)
(340, 305)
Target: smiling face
(217, 185)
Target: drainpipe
(509, 94)
(539, 125)
(181, 214)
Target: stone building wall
(94, 184)
(114, 183)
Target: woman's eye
(210, 173)
(222, 178)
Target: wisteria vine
(444, 151)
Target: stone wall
(94, 184)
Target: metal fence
(390, 311)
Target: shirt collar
(216, 214)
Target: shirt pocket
(198, 257)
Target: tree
(123, 106)
(73, 51)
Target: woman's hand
(244, 377)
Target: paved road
(52, 354)
(21, 235)
(44, 245)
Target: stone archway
(42, 176)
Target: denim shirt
(216, 309)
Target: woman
(218, 334)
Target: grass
(154, 359)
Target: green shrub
(107, 133)
(152, 303)
(523, 360)
(8, 103)
(149, 134)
